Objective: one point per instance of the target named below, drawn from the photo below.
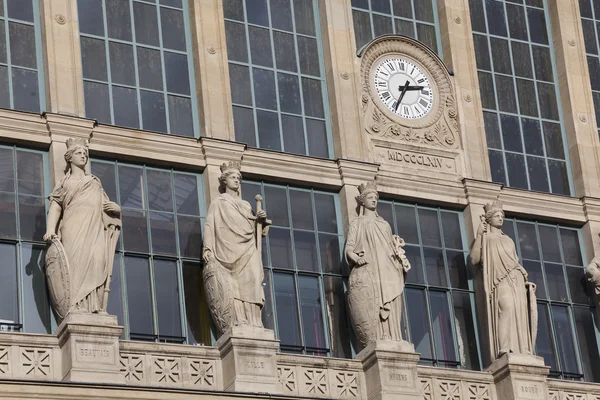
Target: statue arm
(476, 250)
(352, 257)
(52, 222)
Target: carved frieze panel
(202, 373)
(314, 382)
(4, 361)
(449, 390)
(132, 367)
(36, 363)
(346, 385)
(287, 379)
(166, 370)
(426, 388)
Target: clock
(403, 87)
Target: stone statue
(510, 302)
(378, 270)
(593, 275)
(80, 257)
(233, 272)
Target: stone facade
(455, 175)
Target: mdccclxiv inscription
(423, 160)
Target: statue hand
(262, 214)
(482, 228)
(110, 207)
(361, 261)
(49, 236)
(208, 256)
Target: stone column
(62, 57)
(577, 103)
(89, 346)
(520, 377)
(342, 69)
(459, 57)
(391, 370)
(211, 69)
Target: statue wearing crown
(82, 232)
(378, 272)
(233, 271)
(510, 302)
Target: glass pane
(584, 323)
(304, 17)
(176, 73)
(289, 93)
(336, 310)
(430, 228)
(416, 274)
(115, 300)
(416, 309)
(434, 265)
(532, 134)
(326, 215)
(186, 194)
(534, 274)
(90, 15)
(149, 68)
(316, 135)
(281, 248)
(441, 325)
(313, 97)
(564, 339)
(308, 54)
(285, 51)
(125, 106)
(173, 29)
(451, 229)
(167, 298)
(163, 233)
(457, 269)
(93, 58)
(243, 119)
(9, 304)
(293, 134)
(153, 111)
(305, 245)
(32, 217)
(235, 34)
(37, 316)
(465, 330)
(312, 315)
(197, 316)
(570, 246)
(287, 311)
(159, 190)
(528, 241)
(22, 45)
(146, 24)
(281, 15)
(118, 19)
(122, 66)
(543, 345)
(302, 209)
(276, 205)
(97, 105)
(190, 236)
(260, 46)
(30, 173)
(268, 317)
(26, 94)
(139, 298)
(556, 282)
(257, 12)
(362, 28)
(135, 230)
(329, 248)
(8, 216)
(549, 241)
(268, 130)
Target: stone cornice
(23, 127)
(550, 207)
(478, 191)
(218, 151)
(421, 188)
(355, 172)
(591, 208)
(68, 126)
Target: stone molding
(218, 151)
(591, 208)
(354, 172)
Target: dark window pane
(329, 248)
(106, 173)
(543, 345)
(555, 279)
(177, 75)
(588, 345)
(281, 15)
(362, 28)
(505, 91)
(304, 17)
(564, 339)
(585, 8)
(308, 54)
(486, 88)
(465, 330)
(149, 68)
(115, 300)
(276, 205)
(543, 63)
(312, 315)
(559, 177)
(424, 10)
(125, 106)
(492, 131)
(91, 16)
(9, 305)
(364, 4)
(534, 274)
(264, 89)
(37, 316)
(260, 46)
(589, 36)
(326, 215)
(521, 59)
(427, 35)
(457, 269)
(430, 228)
(22, 45)
(167, 298)
(516, 21)
(237, 49)
(549, 241)
(131, 187)
(419, 331)
(146, 24)
(482, 53)
(497, 166)
(180, 116)
(416, 274)
(382, 6)
(30, 173)
(197, 316)
(190, 236)
(293, 134)
(313, 98)
(578, 285)
(2, 43)
(173, 29)
(287, 311)
(538, 174)
(570, 245)
(553, 139)
(233, 9)
(317, 138)
(32, 216)
(243, 120)
(153, 111)
(118, 19)
(451, 228)
(382, 24)
(537, 26)
(122, 67)
(139, 298)
(281, 248)
(407, 229)
(302, 209)
(97, 104)
(532, 136)
(268, 130)
(528, 243)
(442, 328)
(285, 51)
(477, 15)
(515, 164)
(404, 27)
(594, 70)
(527, 98)
(257, 12)
(338, 317)
(135, 231)
(501, 56)
(289, 93)
(435, 267)
(239, 77)
(8, 229)
(93, 59)
(511, 133)
(159, 190)
(495, 17)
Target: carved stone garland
(440, 127)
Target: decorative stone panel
(345, 385)
(287, 380)
(36, 363)
(132, 366)
(449, 390)
(4, 361)
(479, 391)
(426, 388)
(166, 370)
(202, 373)
(314, 382)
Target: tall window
(24, 302)
(567, 335)
(20, 61)
(414, 18)
(590, 18)
(304, 279)
(277, 75)
(518, 88)
(137, 68)
(157, 278)
(439, 291)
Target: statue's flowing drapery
(375, 288)
(230, 234)
(511, 307)
(88, 237)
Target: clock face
(403, 87)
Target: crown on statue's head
(364, 189)
(491, 209)
(232, 165)
(77, 142)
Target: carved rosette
(440, 127)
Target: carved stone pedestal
(89, 345)
(390, 370)
(520, 377)
(249, 359)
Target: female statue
(378, 270)
(510, 305)
(88, 228)
(233, 273)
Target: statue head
(368, 197)
(494, 215)
(231, 177)
(77, 153)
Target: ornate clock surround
(439, 128)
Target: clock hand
(402, 93)
(415, 88)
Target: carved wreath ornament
(439, 127)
